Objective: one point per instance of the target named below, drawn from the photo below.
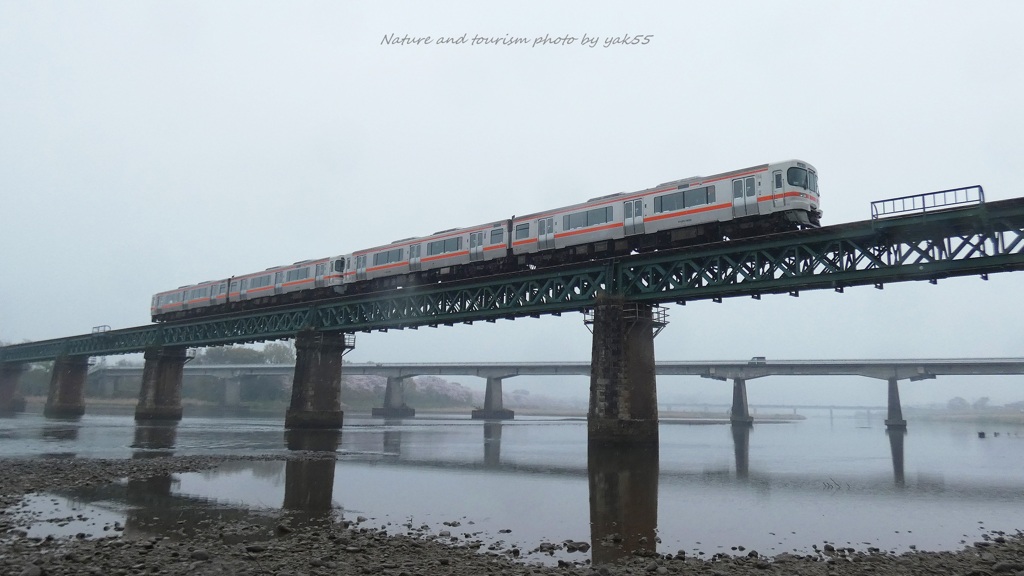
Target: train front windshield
(802, 178)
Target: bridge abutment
(160, 392)
(10, 401)
(894, 419)
(66, 398)
(316, 385)
(394, 400)
(623, 393)
(494, 408)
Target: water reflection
(896, 447)
(61, 432)
(155, 436)
(392, 437)
(309, 483)
(741, 449)
(623, 500)
(492, 443)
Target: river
(836, 478)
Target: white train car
(787, 191)
(746, 202)
(434, 253)
(183, 299)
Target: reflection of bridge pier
(741, 449)
(309, 483)
(623, 500)
(492, 443)
(158, 436)
(392, 438)
(896, 437)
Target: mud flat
(269, 543)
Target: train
(754, 201)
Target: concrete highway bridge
(923, 237)
(394, 405)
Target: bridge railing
(930, 200)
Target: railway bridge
(925, 237)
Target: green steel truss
(982, 239)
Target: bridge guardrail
(930, 200)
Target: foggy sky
(144, 146)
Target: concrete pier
(740, 414)
(623, 394)
(741, 449)
(494, 408)
(896, 448)
(10, 401)
(160, 393)
(894, 419)
(66, 398)
(394, 400)
(316, 385)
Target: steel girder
(983, 239)
(930, 247)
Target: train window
(797, 177)
(696, 197)
(387, 257)
(812, 181)
(737, 189)
(778, 179)
(591, 217)
(297, 274)
(414, 251)
(339, 265)
(497, 235)
(749, 181)
(453, 244)
(522, 231)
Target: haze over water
(709, 488)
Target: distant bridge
(739, 371)
(899, 369)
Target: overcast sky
(147, 145)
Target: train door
(545, 233)
(476, 246)
(361, 267)
(778, 199)
(414, 257)
(278, 280)
(633, 216)
(744, 197)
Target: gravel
(240, 546)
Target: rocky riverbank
(270, 543)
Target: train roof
(435, 236)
